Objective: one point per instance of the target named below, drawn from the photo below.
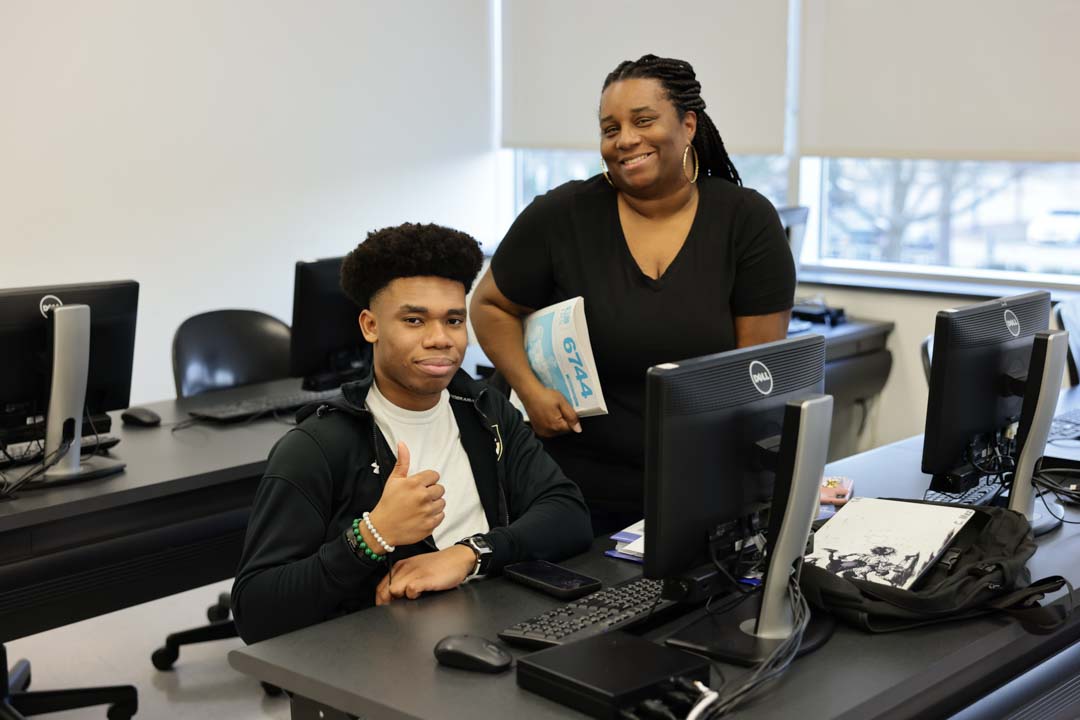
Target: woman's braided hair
(679, 81)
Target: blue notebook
(623, 538)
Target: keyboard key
(603, 611)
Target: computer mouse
(140, 417)
(470, 652)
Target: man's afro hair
(409, 250)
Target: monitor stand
(1045, 373)
(752, 630)
(70, 328)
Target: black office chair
(215, 351)
(1067, 317)
(16, 701)
(228, 348)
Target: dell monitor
(793, 220)
(734, 443)
(327, 348)
(991, 381)
(67, 348)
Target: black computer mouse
(140, 417)
(470, 652)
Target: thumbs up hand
(411, 506)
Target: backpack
(983, 571)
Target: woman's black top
(569, 242)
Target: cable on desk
(1059, 492)
(774, 665)
(185, 424)
(10, 488)
(708, 697)
(97, 438)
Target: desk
(173, 521)
(379, 663)
(857, 365)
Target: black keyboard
(30, 453)
(981, 494)
(599, 612)
(1065, 426)
(270, 404)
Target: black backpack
(984, 570)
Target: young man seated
(420, 478)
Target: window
(991, 219)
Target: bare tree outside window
(953, 214)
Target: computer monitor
(327, 348)
(734, 441)
(793, 219)
(30, 336)
(987, 374)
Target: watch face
(481, 543)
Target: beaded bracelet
(375, 534)
(357, 544)
(351, 540)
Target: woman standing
(674, 258)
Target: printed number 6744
(580, 374)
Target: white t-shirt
(434, 443)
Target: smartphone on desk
(552, 579)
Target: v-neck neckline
(649, 281)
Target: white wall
(202, 147)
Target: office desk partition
(379, 662)
(174, 520)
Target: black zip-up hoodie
(297, 569)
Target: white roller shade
(556, 54)
(955, 79)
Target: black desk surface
(379, 662)
(172, 521)
(159, 462)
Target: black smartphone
(552, 579)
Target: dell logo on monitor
(761, 376)
(1012, 322)
(49, 302)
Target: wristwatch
(479, 545)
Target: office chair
(1067, 317)
(16, 701)
(215, 351)
(926, 350)
(228, 348)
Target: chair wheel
(164, 657)
(271, 690)
(217, 613)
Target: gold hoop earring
(603, 168)
(697, 165)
